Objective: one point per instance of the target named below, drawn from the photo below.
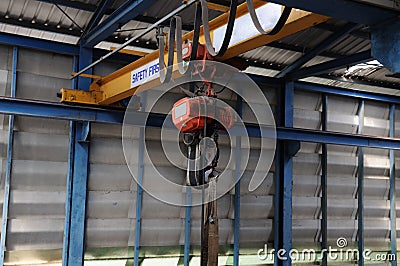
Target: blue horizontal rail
(362, 95)
(76, 113)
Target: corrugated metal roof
(276, 56)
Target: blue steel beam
(49, 110)
(287, 172)
(98, 14)
(85, 59)
(188, 210)
(72, 4)
(139, 193)
(392, 192)
(139, 199)
(362, 95)
(79, 192)
(67, 223)
(236, 226)
(348, 10)
(71, 152)
(277, 181)
(128, 11)
(39, 44)
(360, 189)
(385, 40)
(7, 182)
(57, 47)
(332, 65)
(329, 42)
(80, 174)
(324, 184)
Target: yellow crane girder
(119, 85)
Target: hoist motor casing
(191, 114)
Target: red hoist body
(191, 114)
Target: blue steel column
(236, 228)
(324, 185)
(85, 59)
(7, 182)
(139, 196)
(79, 191)
(360, 192)
(188, 210)
(71, 152)
(80, 174)
(287, 177)
(277, 178)
(392, 196)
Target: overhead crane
(119, 85)
(197, 116)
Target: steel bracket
(385, 42)
(292, 147)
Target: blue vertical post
(80, 174)
(277, 201)
(85, 59)
(360, 191)
(287, 176)
(188, 210)
(277, 178)
(79, 193)
(71, 152)
(7, 182)
(324, 185)
(236, 227)
(139, 198)
(139, 195)
(392, 193)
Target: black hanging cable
(282, 21)
(165, 76)
(229, 28)
(278, 26)
(228, 32)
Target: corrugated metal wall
(40, 167)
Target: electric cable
(278, 26)
(228, 32)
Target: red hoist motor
(190, 115)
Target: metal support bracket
(85, 131)
(385, 42)
(292, 147)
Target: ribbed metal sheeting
(40, 168)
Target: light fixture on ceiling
(58, 26)
(7, 16)
(20, 19)
(46, 24)
(33, 21)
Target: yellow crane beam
(122, 83)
